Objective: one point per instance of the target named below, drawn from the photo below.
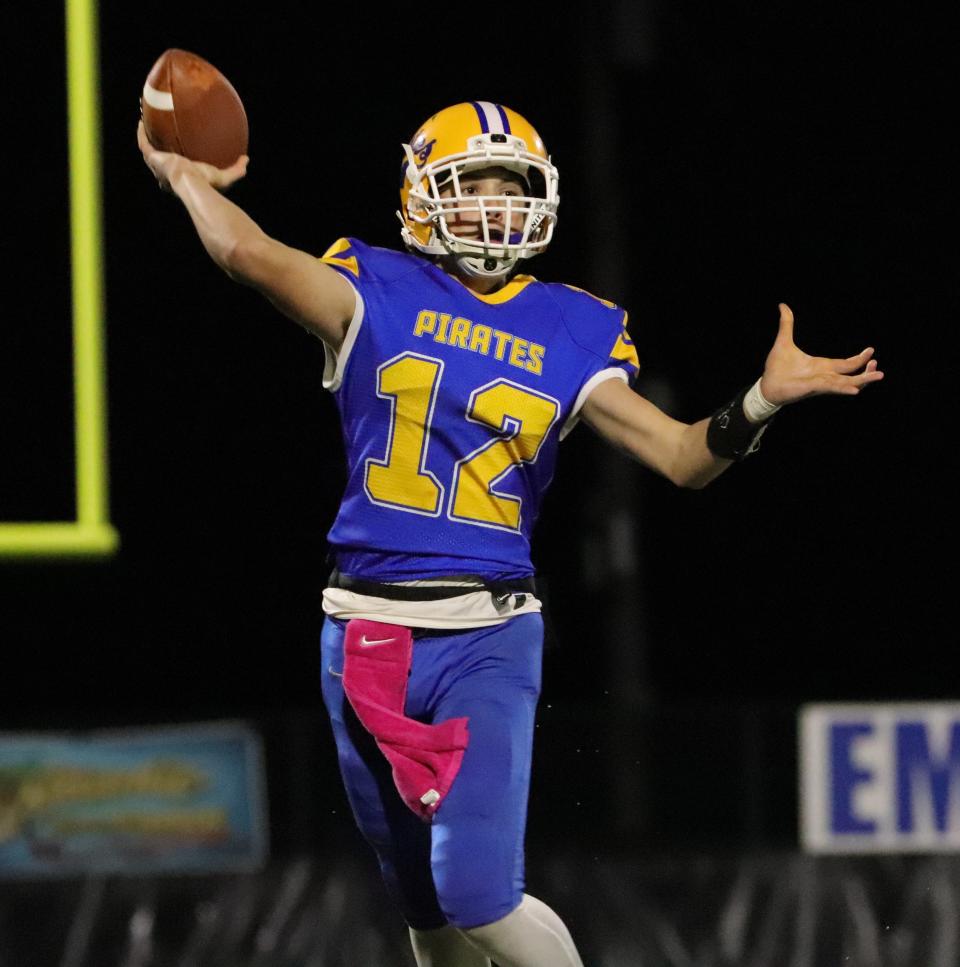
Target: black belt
(501, 590)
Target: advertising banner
(880, 778)
(173, 799)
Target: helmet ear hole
(537, 183)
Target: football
(190, 108)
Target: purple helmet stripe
(503, 118)
(483, 117)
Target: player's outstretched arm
(299, 285)
(682, 452)
(631, 423)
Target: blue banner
(173, 799)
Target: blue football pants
(466, 868)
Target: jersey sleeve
(345, 256)
(619, 362)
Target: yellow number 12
(521, 419)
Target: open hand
(166, 165)
(790, 374)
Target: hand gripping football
(190, 108)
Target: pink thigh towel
(425, 758)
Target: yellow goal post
(91, 533)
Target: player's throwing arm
(193, 137)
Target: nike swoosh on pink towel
(424, 758)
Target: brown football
(189, 107)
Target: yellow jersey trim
(340, 246)
(512, 289)
(624, 349)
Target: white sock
(531, 936)
(445, 947)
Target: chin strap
(481, 267)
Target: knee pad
(532, 935)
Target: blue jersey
(452, 406)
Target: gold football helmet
(460, 140)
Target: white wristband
(756, 407)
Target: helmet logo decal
(421, 150)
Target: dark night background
(760, 154)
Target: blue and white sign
(178, 799)
(880, 778)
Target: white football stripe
(494, 123)
(161, 100)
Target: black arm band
(730, 434)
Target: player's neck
(481, 286)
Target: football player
(456, 376)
